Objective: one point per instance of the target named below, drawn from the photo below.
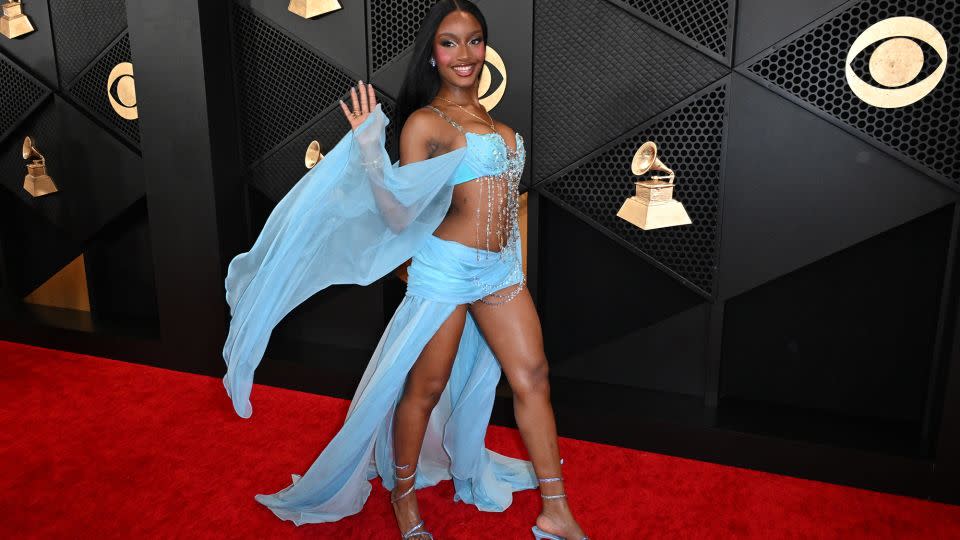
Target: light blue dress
(353, 218)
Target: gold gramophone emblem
(14, 23)
(313, 155)
(36, 182)
(311, 8)
(653, 206)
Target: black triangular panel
(282, 85)
(629, 323)
(707, 23)
(690, 140)
(810, 69)
(33, 248)
(82, 29)
(90, 90)
(584, 99)
(336, 35)
(19, 94)
(761, 23)
(393, 27)
(390, 78)
(793, 196)
(98, 177)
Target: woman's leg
(512, 330)
(421, 392)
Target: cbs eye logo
(493, 79)
(121, 91)
(896, 62)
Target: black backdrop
(804, 323)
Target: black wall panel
(809, 68)
(337, 36)
(761, 23)
(799, 189)
(805, 322)
(592, 79)
(99, 212)
(852, 332)
(82, 31)
(611, 316)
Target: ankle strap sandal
(413, 530)
(539, 533)
(552, 479)
(399, 478)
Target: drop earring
(433, 63)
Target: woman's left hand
(358, 112)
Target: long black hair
(422, 82)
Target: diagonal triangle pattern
(18, 94)
(810, 68)
(792, 197)
(82, 29)
(90, 89)
(282, 84)
(690, 140)
(393, 28)
(706, 22)
(598, 73)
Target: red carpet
(96, 448)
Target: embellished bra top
(487, 155)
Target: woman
(420, 412)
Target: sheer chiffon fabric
(353, 218)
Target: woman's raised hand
(360, 109)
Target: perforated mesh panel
(18, 93)
(90, 89)
(703, 21)
(690, 142)
(586, 98)
(276, 175)
(393, 27)
(82, 29)
(811, 67)
(282, 84)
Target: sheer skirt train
(338, 482)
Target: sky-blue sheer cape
(352, 218)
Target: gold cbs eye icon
(493, 79)
(896, 62)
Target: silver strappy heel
(539, 533)
(413, 530)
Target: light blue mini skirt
(448, 271)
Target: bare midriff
(476, 218)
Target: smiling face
(459, 49)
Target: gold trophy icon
(14, 22)
(36, 182)
(653, 206)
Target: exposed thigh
(435, 362)
(512, 330)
